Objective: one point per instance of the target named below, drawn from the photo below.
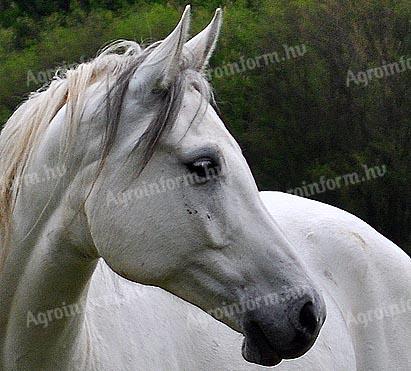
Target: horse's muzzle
(282, 330)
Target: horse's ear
(202, 46)
(161, 66)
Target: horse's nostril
(308, 318)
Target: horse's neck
(50, 263)
(43, 282)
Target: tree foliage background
(296, 120)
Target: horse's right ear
(202, 46)
(161, 66)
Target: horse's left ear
(201, 47)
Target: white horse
(151, 181)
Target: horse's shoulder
(327, 235)
(294, 207)
(315, 219)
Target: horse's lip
(260, 352)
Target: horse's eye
(205, 168)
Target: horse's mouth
(257, 348)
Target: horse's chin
(260, 352)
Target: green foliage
(297, 120)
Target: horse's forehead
(198, 123)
